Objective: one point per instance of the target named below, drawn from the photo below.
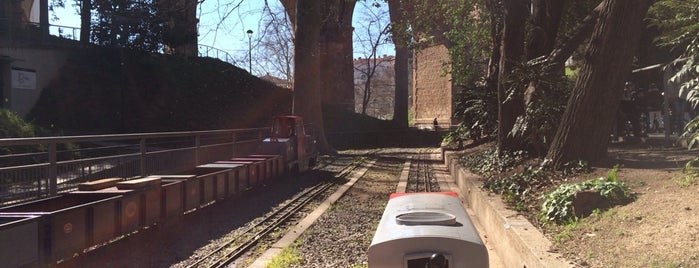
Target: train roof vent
(426, 218)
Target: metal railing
(67, 32)
(33, 168)
(209, 51)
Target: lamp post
(249, 32)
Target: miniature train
(46, 231)
(426, 230)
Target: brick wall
(432, 88)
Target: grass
(689, 175)
(288, 257)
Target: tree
(127, 24)
(180, 32)
(586, 124)
(399, 34)
(546, 18)
(307, 93)
(510, 99)
(371, 37)
(679, 24)
(277, 45)
(85, 20)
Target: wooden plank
(139, 183)
(98, 184)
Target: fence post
(143, 157)
(234, 138)
(53, 170)
(197, 147)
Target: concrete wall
(31, 69)
(432, 88)
(516, 241)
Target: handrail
(41, 168)
(110, 137)
(76, 31)
(208, 49)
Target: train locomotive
(46, 231)
(426, 230)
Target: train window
(276, 128)
(290, 125)
(427, 260)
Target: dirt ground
(659, 229)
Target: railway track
(236, 247)
(422, 176)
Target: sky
(229, 34)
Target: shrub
(13, 126)
(558, 204)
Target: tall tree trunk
(496, 41)
(180, 36)
(586, 124)
(581, 32)
(511, 106)
(400, 41)
(337, 74)
(546, 18)
(558, 55)
(545, 21)
(307, 93)
(85, 21)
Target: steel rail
(266, 225)
(422, 178)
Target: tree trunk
(337, 74)
(496, 41)
(180, 36)
(511, 106)
(583, 30)
(400, 41)
(586, 123)
(546, 19)
(307, 93)
(85, 21)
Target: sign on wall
(23, 79)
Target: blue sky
(229, 34)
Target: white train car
(426, 230)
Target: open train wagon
(46, 231)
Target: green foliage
(690, 130)
(467, 34)
(574, 167)
(506, 174)
(290, 256)
(547, 96)
(456, 137)
(153, 92)
(690, 172)
(679, 23)
(489, 163)
(477, 109)
(131, 24)
(469, 38)
(513, 187)
(13, 126)
(558, 204)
